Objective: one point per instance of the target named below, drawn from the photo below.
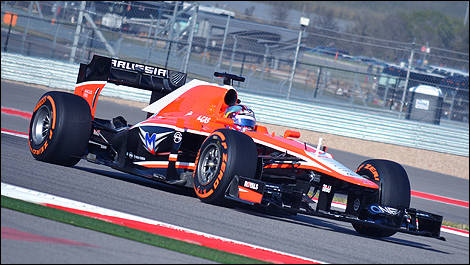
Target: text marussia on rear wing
(93, 77)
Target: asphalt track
(316, 238)
(68, 244)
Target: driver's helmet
(243, 117)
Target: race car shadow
(351, 231)
(321, 223)
(299, 219)
(140, 181)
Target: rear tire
(60, 128)
(394, 190)
(222, 155)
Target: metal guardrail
(445, 139)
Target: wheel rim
(209, 167)
(41, 125)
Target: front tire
(394, 190)
(223, 154)
(60, 128)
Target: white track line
(25, 136)
(44, 198)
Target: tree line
(369, 29)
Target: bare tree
(326, 20)
(249, 11)
(279, 11)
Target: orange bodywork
(249, 195)
(90, 91)
(198, 107)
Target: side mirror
(292, 134)
(261, 129)
(225, 121)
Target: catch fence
(190, 37)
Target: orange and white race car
(199, 135)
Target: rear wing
(93, 77)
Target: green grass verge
(455, 225)
(124, 232)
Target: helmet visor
(245, 121)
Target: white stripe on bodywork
(91, 83)
(140, 124)
(160, 104)
(308, 161)
(151, 163)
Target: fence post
(149, 34)
(173, 20)
(451, 109)
(295, 60)
(266, 49)
(243, 64)
(77, 32)
(54, 42)
(223, 44)
(191, 35)
(410, 61)
(9, 30)
(154, 39)
(39, 9)
(25, 33)
(206, 53)
(318, 83)
(233, 53)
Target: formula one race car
(198, 135)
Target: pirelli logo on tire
(371, 169)
(214, 159)
(46, 120)
(223, 155)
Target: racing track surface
(313, 237)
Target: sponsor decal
(134, 156)
(377, 209)
(373, 171)
(151, 70)
(151, 141)
(177, 137)
(422, 214)
(40, 150)
(422, 104)
(41, 101)
(326, 188)
(206, 191)
(314, 177)
(204, 119)
(357, 204)
(251, 185)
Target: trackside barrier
(444, 139)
